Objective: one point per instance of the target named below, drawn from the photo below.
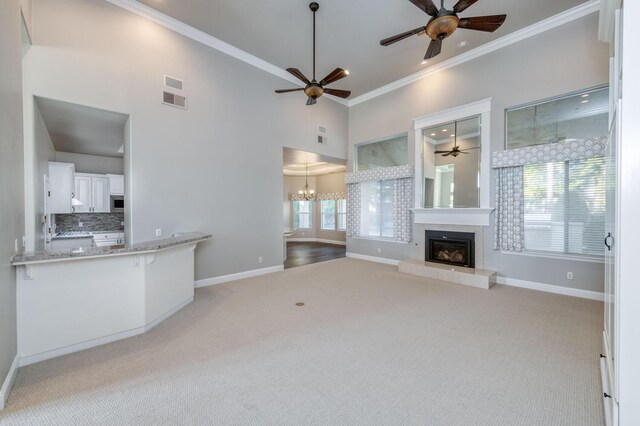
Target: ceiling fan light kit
(313, 88)
(444, 22)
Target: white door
(83, 193)
(100, 194)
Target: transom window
(389, 152)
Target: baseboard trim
(32, 359)
(316, 240)
(384, 260)
(8, 382)
(549, 288)
(238, 276)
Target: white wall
(201, 169)
(11, 174)
(562, 60)
(92, 163)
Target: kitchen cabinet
(61, 183)
(116, 184)
(93, 192)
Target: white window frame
(455, 216)
(310, 214)
(338, 214)
(335, 216)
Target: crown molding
(315, 171)
(562, 18)
(208, 40)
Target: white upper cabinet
(100, 194)
(61, 183)
(93, 191)
(116, 184)
(83, 193)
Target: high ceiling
(349, 32)
(83, 130)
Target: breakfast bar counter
(73, 299)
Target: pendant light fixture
(307, 194)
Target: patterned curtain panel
(332, 196)
(353, 210)
(402, 202)
(382, 173)
(569, 150)
(298, 197)
(509, 229)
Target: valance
(569, 150)
(332, 196)
(383, 173)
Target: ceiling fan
(455, 151)
(444, 22)
(313, 88)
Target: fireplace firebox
(451, 248)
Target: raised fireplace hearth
(450, 248)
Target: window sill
(590, 259)
(381, 239)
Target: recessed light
(444, 130)
(453, 136)
(586, 95)
(585, 101)
(346, 72)
(463, 43)
(433, 134)
(424, 61)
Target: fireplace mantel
(446, 216)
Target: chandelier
(306, 194)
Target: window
(576, 116)
(328, 213)
(565, 207)
(302, 214)
(389, 152)
(342, 215)
(377, 209)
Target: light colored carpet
(370, 346)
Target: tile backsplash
(90, 222)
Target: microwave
(117, 203)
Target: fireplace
(451, 248)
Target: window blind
(564, 207)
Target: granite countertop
(73, 253)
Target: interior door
(83, 193)
(100, 194)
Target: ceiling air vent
(322, 129)
(174, 100)
(174, 83)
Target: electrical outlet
(80, 224)
(569, 275)
(260, 259)
(158, 232)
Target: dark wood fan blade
(435, 47)
(339, 93)
(462, 5)
(296, 72)
(469, 149)
(289, 90)
(402, 36)
(442, 152)
(334, 75)
(311, 101)
(426, 6)
(482, 23)
(447, 154)
(462, 152)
